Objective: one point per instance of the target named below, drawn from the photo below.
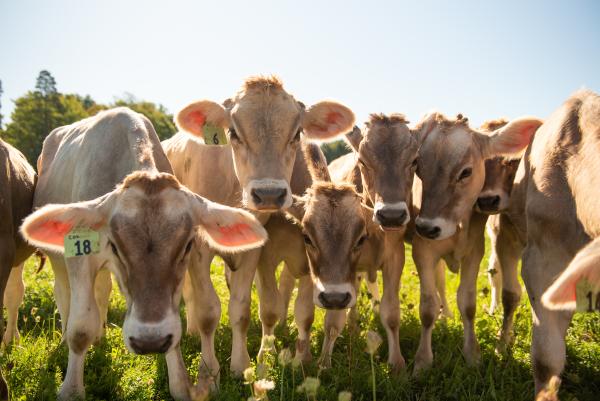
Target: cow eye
(298, 135)
(307, 240)
(188, 247)
(466, 173)
(360, 242)
(233, 136)
(113, 248)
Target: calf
(17, 183)
(451, 172)
(562, 175)
(503, 199)
(144, 229)
(259, 168)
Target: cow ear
(354, 138)
(326, 120)
(225, 228)
(193, 117)
(316, 162)
(47, 227)
(511, 139)
(561, 295)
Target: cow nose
(151, 345)
(428, 230)
(488, 203)
(391, 217)
(269, 198)
(335, 300)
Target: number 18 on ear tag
(214, 135)
(81, 242)
(588, 297)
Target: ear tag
(588, 297)
(214, 135)
(81, 241)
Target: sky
(481, 58)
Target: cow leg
(179, 381)
(429, 306)
(334, 324)
(466, 299)
(548, 348)
(62, 292)
(239, 307)
(203, 308)
(13, 298)
(494, 272)
(287, 282)
(390, 303)
(440, 282)
(85, 323)
(7, 257)
(373, 289)
(270, 303)
(102, 290)
(508, 254)
(304, 315)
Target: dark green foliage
(333, 150)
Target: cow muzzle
(268, 195)
(391, 216)
(434, 229)
(151, 337)
(334, 296)
(490, 203)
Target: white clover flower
(285, 357)
(261, 387)
(373, 341)
(344, 396)
(249, 376)
(310, 386)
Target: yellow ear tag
(588, 297)
(214, 135)
(81, 242)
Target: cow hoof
(238, 366)
(422, 362)
(473, 355)
(324, 362)
(398, 366)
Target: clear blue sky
(485, 59)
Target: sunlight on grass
(35, 367)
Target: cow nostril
(282, 196)
(335, 300)
(428, 231)
(255, 196)
(488, 203)
(269, 198)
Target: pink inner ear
(236, 235)
(51, 232)
(334, 118)
(197, 118)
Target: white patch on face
(340, 288)
(447, 227)
(397, 206)
(133, 327)
(266, 183)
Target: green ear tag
(81, 242)
(214, 135)
(588, 297)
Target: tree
(37, 113)
(157, 114)
(1, 92)
(46, 84)
(333, 150)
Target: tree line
(41, 110)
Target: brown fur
(380, 118)
(263, 82)
(150, 183)
(316, 163)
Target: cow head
(264, 125)
(500, 174)
(147, 226)
(451, 166)
(334, 224)
(387, 158)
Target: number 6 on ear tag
(214, 135)
(81, 242)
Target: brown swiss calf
(451, 172)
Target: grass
(35, 367)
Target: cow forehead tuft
(150, 183)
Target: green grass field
(35, 367)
